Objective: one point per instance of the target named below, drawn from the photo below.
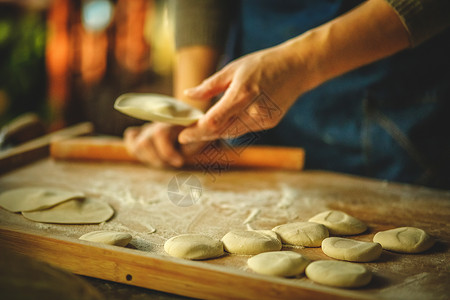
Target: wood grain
(139, 196)
(38, 148)
(188, 278)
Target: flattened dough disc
(35, 198)
(76, 211)
(156, 107)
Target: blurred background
(66, 61)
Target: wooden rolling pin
(113, 149)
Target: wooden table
(244, 199)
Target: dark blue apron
(389, 120)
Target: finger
(129, 137)
(144, 150)
(165, 148)
(211, 86)
(221, 115)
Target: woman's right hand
(155, 144)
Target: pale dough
(339, 223)
(35, 198)
(194, 246)
(306, 234)
(108, 237)
(156, 107)
(76, 211)
(250, 242)
(278, 263)
(405, 240)
(338, 273)
(351, 250)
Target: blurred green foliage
(23, 83)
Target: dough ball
(193, 246)
(339, 223)
(278, 263)
(156, 107)
(250, 242)
(35, 198)
(306, 234)
(76, 211)
(108, 237)
(338, 273)
(404, 240)
(351, 250)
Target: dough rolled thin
(194, 246)
(251, 242)
(278, 263)
(156, 107)
(306, 234)
(35, 198)
(338, 273)
(76, 211)
(339, 223)
(108, 237)
(351, 250)
(405, 240)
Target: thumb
(211, 86)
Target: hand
(156, 145)
(258, 90)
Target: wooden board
(231, 200)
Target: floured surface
(261, 200)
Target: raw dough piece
(108, 237)
(306, 234)
(76, 211)
(156, 107)
(405, 240)
(35, 198)
(193, 246)
(338, 273)
(278, 263)
(339, 223)
(351, 250)
(251, 242)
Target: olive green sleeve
(422, 18)
(202, 22)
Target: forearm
(192, 65)
(369, 32)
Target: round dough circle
(251, 242)
(35, 198)
(306, 234)
(339, 223)
(338, 273)
(404, 240)
(351, 250)
(157, 107)
(107, 237)
(193, 246)
(76, 211)
(278, 263)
